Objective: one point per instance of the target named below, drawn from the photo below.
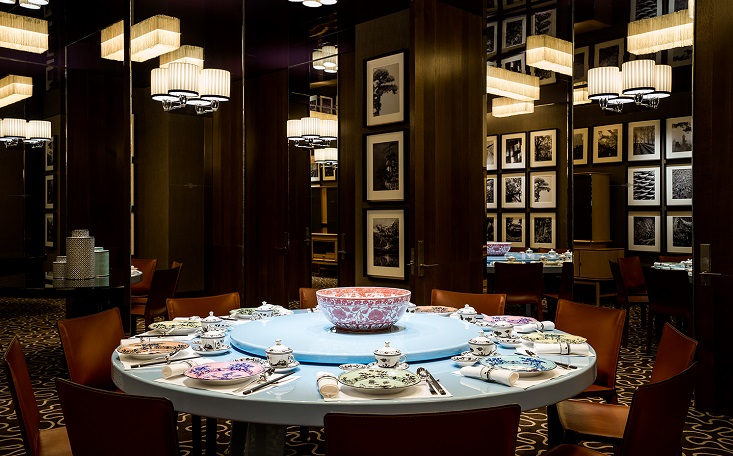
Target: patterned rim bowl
(363, 309)
(498, 248)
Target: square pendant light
(15, 88)
(23, 33)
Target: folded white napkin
(178, 368)
(536, 326)
(562, 348)
(327, 384)
(503, 376)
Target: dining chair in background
(456, 432)
(162, 287)
(117, 424)
(308, 299)
(487, 304)
(88, 343)
(633, 275)
(139, 291)
(36, 441)
(564, 289)
(625, 301)
(670, 295)
(522, 284)
(578, 420)
(201, 306)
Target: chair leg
(555, 430)
(305, 433)
(649, 330)
(211, 425)
(196, 436)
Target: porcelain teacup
(264, 311)
(502, 329)
(212, 322)
(212, 340)
(467, 313)
(388, 356)
(411, 308)
(279, 355)
(481, 345)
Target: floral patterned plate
(227, 373)
(379, 381)
(245, 313)
(525, 366)
(148, 350)
(176, 327)
(513, 319)
(548, 338)
(443, 311)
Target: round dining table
(427, 340)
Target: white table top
(304, 406)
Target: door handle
(705, 273)
(342, 244)
(307, 239)
(421, 259)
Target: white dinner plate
(379, 381)
(153, 349)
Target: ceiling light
(580, 96)
(637, 77)
(510, 84)
(183, 84)
(653, 34)
(23, 33)
(113, 41)
(13, 132)
(505, 107)
(15, 88)
(153, 37)
(550, 53)
(28, 4)
(328, 156)
(312, 132)
(184, 54)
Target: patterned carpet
(34, 322)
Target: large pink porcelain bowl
(363, 309)
(498, 248)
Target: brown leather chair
(498, 425)
(139, 291)
(625, 301)
(200, 307)
(522, 284)
(163, 286)
(88, 343)
(308, 299)
(487, 304)
(564, 290)
(117, 424)
(632, 275)
(36, 441)
(576, 421)
(670, 295)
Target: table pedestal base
(254, 439)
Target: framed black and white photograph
(581, 65)
(492, 191)
(644, 9)
(679, 232)
(678, 5)
(492, 7)
(644, 231)
(50, 155)
(514, 33)
(607, 143)
(328, 173)
(542, 230)
(385, 89)
(543, 187)
(507, 4)
(679, 185)
(513, 229)
(546, 76)
(315, 172)
(644, 141)
(512, 191)
(542, 148)
(491, 35)
(491, 224)
(512, 154)
(492, 145)
(679, 56)
(50, 191)
(544, 23)
(580, 146)
(385, 173)
(514, 63)
(50, 230)
(385, 243)
(610, 53)
(679, 137)
(643, 186)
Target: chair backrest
(672, 288)
(24, 399)
(488, 304)
(147, 267)
(308, 299)
(497, 425)
(88, 343)
(632, 275)
(112, 423)
(201, 306)
(520, 282)
(165, 282)
(622, 296)
(676, 353)
(603, 327)
(657, 415)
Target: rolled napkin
(179, 367)
(536, 326)
(327, 383)
(562, 348)
(492, 374)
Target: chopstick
(269, 382)
(166, 360)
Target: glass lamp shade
(159, 83)
(113, 41)
(658, 33)
(329, 2)
(154, 36)
(28, 4)
(38, 130)
(13, 128)
(9, 2)
(311, 127)
(318, 60)
(604, 82)
(39, 2)
(550, 53)
(183, 79)
(580, 96)
(329, 129)
(214, 84)
(331, 55)
(294, 129)
(23, 33)
(312, 3)
(505, 107)
(638, 77)
(184, 54)
(662, 81)
(14, 88)
(505, 83)
(326, 155)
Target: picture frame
(513, 194)
(513, 228)
(607, 143)
(643, 9)
(644, 231)
(609, 53)
(679, 56)
(385, 169)
(492, 7)
(315, 172)
(677, 5)
(580, 65)
(50, 191)
(491, 225)
(328, 173)
(50, 154)
(543, 187)
(326, 104)
(514, 63)
(514, 33)
(679, 185)
(643, 186)
(512, 147)
(385, 243)
(644, 143)
(385, 89)
(491, 192)
(544, 23)
(679, 232)
(508, 4)
(546, 76)
(492, 29)
(580, 146)
(542, 148)
(678, 134)
(50, 229)
(492, 148)
(542, 229)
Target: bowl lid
(467, 310)
(387, 350)
(481, 339)
(211, 318)
(265, 306)
(213, 334)
(278, 348)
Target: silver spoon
(424, 375)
